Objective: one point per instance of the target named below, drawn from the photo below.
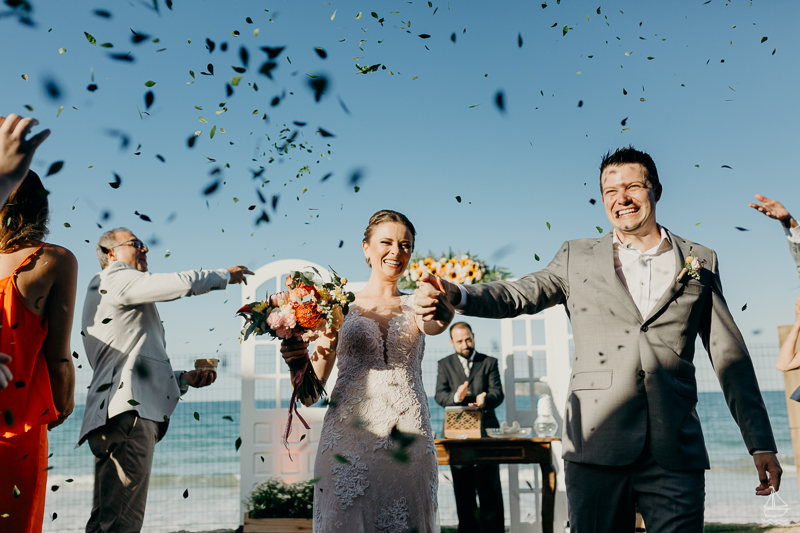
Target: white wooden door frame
(559, 367)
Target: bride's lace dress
(372, 478)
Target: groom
(631, 432)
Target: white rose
(696, 264)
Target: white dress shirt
(645, 275)
(466, 364)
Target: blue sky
(703, 91)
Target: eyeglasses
(136, 243)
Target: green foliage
(276, 499)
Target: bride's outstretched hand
(431, 301)
(294, 351)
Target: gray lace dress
(376, 461)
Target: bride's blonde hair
(387, 215)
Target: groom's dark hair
(627, 155)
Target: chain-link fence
(195, 479)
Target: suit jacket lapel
(477, 361)
(604, 253)
(680, 254)
(455, 360)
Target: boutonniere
(691, 266)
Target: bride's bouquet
(308, 309)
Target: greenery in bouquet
(275, 499)
(465, 269)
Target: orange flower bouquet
(305, 311)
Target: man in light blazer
(631, 432)
(468, 377)
(134, 388)
(774, 209)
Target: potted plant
(277, 507)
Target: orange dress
(27, 407)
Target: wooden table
(506, 451)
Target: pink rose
(696, 264)
(288, 320)
(274, 319)
(274, 299)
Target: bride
(376, 463)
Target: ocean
(195, 480)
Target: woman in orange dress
(37, 298)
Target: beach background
(195, 480)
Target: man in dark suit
(471, 378)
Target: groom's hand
(432, 298)
(767, 463)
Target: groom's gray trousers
(602, 499)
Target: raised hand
(431, 301)
(5, 373)
(238, 273)
(480, 400)
(16, 153)
(461, 392)
(773, 209)
(767, 463)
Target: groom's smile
(629, 198)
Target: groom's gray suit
(633, 378)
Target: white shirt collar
(664, 244)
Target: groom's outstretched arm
(527, 295)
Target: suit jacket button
(641, 373)
(644, 328)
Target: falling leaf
(185, 494)
(201, 119)
(424, 36)
(133, 402)
(744, 307)
(565, 29)
(726, 166)
(548, 225)
(500, 100)
(54, 168)
(151, 83)
(117, 181)
(228, 417)
(334, 14)
(458, 199)
(535, 256)
(62, 50)
(89, 38)
(149, 98)
(213, 131)
(16, 492)
(763, 39)
(599, 229)
(238, 443)
(741, 229)
(624, 121)
(338, 457)
(197, 416)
